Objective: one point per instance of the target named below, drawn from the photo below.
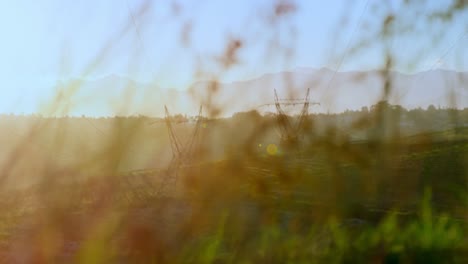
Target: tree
(364, 110)
(431, 108)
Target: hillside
(115, 95)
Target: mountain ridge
(337, 91)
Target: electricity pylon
(182, 154)
(291, 133)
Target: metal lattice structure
(182, 154)
(138, 185)
(291, 132)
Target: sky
(176, 43)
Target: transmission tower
(290, 132)
(182, 154)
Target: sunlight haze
(46, 42)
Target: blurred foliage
(384, 184)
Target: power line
(447, 52)
(91, 123)
(137, 31)
(140, 40)
(444, 54)
(348, 44)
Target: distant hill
(347, 90)
(335, 91)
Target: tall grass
(365, 192)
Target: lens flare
(272, 149)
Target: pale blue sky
(44, 41)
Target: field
(279, 131)
(330, 200)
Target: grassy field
(353, 147)
(330, 201)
